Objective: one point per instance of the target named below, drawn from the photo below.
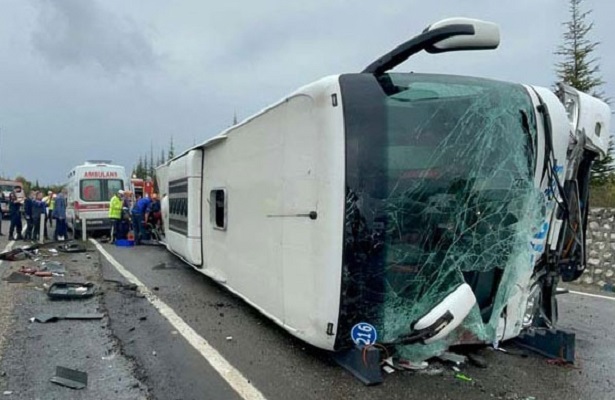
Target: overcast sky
(94, 79)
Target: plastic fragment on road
(452, 357)
(229, 338)
(7, 392)
(27, 270)
(72, 248)
(71, 378)
(16, 277)
(44, 318)
(388, 369)
(53, 266)
(463, 377)
(70, 290)
(412, 365)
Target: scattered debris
(229, 338)
(456, 369)
(43, 273)
(27, 270)
(463, 377)
(70, 290)
(143, 318)
(154, 353)
(53, 252)
(453, 357)
(18, 254)
(7, 392)
(16, 277)
(44, 318)
(412, 365)
(72, 248)
(53, 266)
(432, 371)
(174, 332)
(71, 378)
(388, 369)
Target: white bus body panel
(183, 203)
(274, 168)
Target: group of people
(36, 208)
(137, 214)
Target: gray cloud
(85, 78)
(77, 32)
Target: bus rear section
(90, 189)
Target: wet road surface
(282, 367)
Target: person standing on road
(51, 207)
(155, 215)
(39, 211)
(27, 211)
(59, 213)
(47, 200)
(139, 218)
(115, 213)
(1, 215)
(15, 201)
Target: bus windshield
(439, 191)
(99, 189)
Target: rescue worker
(27, 211)
(51, 207)
(1, 216)
(15, 201)
(39, 211)
(155, 215)
(59, 213)
(47, 200)
(140, 213)
(115, 213)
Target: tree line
(145, 166)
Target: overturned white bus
(436, 209)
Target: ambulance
(90, 186)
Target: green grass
(602, 196)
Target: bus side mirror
(485, 36)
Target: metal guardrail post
(41, 227)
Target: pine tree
(139, 170)
(162, 157)
(171, 152)
(145, 168)
(152, 166)
(602, 170)
(580, 69)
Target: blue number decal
(363, 334)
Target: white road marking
(592, 295)
(229, 373)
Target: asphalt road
(282, 367)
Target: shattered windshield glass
(439, 176)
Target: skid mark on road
(229, 373)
